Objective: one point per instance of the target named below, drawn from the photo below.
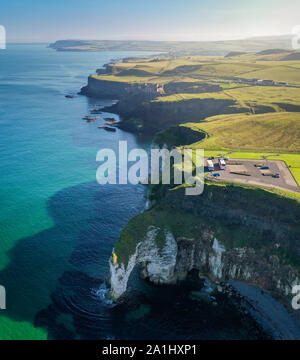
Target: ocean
(58, 226)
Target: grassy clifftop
(263, 132)
(191, 88)
(257, 95)
(249, 97)
(274, 136)
(239, 215)
(257, 120)
(205, 68)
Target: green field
(258, 120)
(274, 135)
(251, 97)
(282, 72)
(266, 132)
(199, 68)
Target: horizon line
(144, 40)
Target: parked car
(216, 174)
(264, 167)
(277, 175)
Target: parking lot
(245, 171)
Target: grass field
(269, 123)
(207, 67)
(266, 132)
(289, 74)
(274, 135)
(276, 98)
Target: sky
(184, 20)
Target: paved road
(285, 182)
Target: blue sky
(43, 20)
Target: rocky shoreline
(270, 314)
(136, 106)
(267, 311)
(166, 258)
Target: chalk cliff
(207, 255)
(216, 235)
(159, 264)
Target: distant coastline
(177, 48)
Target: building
(265, 82)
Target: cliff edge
(228, 233)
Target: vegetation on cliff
(263, 132)
(180, 101)
(201, 69)
(158, 92)
(178, 135)
(239, 215)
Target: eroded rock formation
(215, 234)
(206, 254)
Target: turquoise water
(47, 178)
(58, 226)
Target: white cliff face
(119, 276)
(215, 260)
(169, 260)
(159, 263)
